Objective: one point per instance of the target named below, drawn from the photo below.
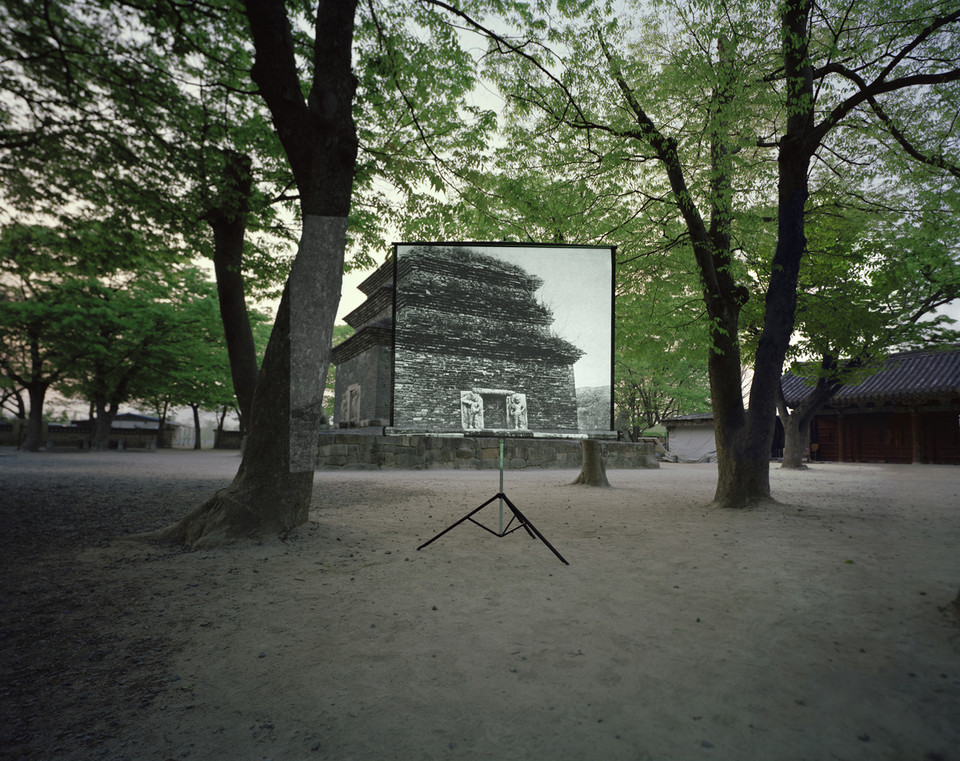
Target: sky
(578, 289)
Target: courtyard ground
(815, 628)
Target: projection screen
(504, 339)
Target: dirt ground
(816, 628)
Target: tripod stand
(520, 518)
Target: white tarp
(692, 443)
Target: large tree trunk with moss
(267, 496)
(272, 489)
(592, 470)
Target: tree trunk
(796, 441)
(743, 439)
(272, 489)
(37, 393)
(228, 222)
(796, 424)
(197, 434)
(743, 477)
(265, 497)
(592, 470)
(102, 424)
(162, 417)
(743, 443)
(218, 434)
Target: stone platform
(374, 451)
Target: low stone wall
(55, 436)
(359, 451)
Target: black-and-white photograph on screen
(503, 337)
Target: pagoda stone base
(359, 451)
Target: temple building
(907, 411)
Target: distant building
(690, 437)
(906, 412)
(474, 350)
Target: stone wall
(550, 393)
(369, 451)
(371, 371)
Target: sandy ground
(816, 628)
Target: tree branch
(939, 162)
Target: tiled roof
(909, 375)
(694, 419)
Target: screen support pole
(520, 518)
(501, 486)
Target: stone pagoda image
(474, 348)
(364, 380)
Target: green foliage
(105, 119)
(419, 122)
(652, 128)
(136, 338)
(68, 318)
(130, 110)
(871, 285)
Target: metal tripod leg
(522, 521)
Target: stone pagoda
(474, 348)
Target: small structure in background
(906, 412)
(129, 429)
(690, 438)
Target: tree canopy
(730, 123)
(708, 141)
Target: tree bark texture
(37, 393)
(265, 497)
(796, 441)
(228, 222)
(272, 490)
(592, 470)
